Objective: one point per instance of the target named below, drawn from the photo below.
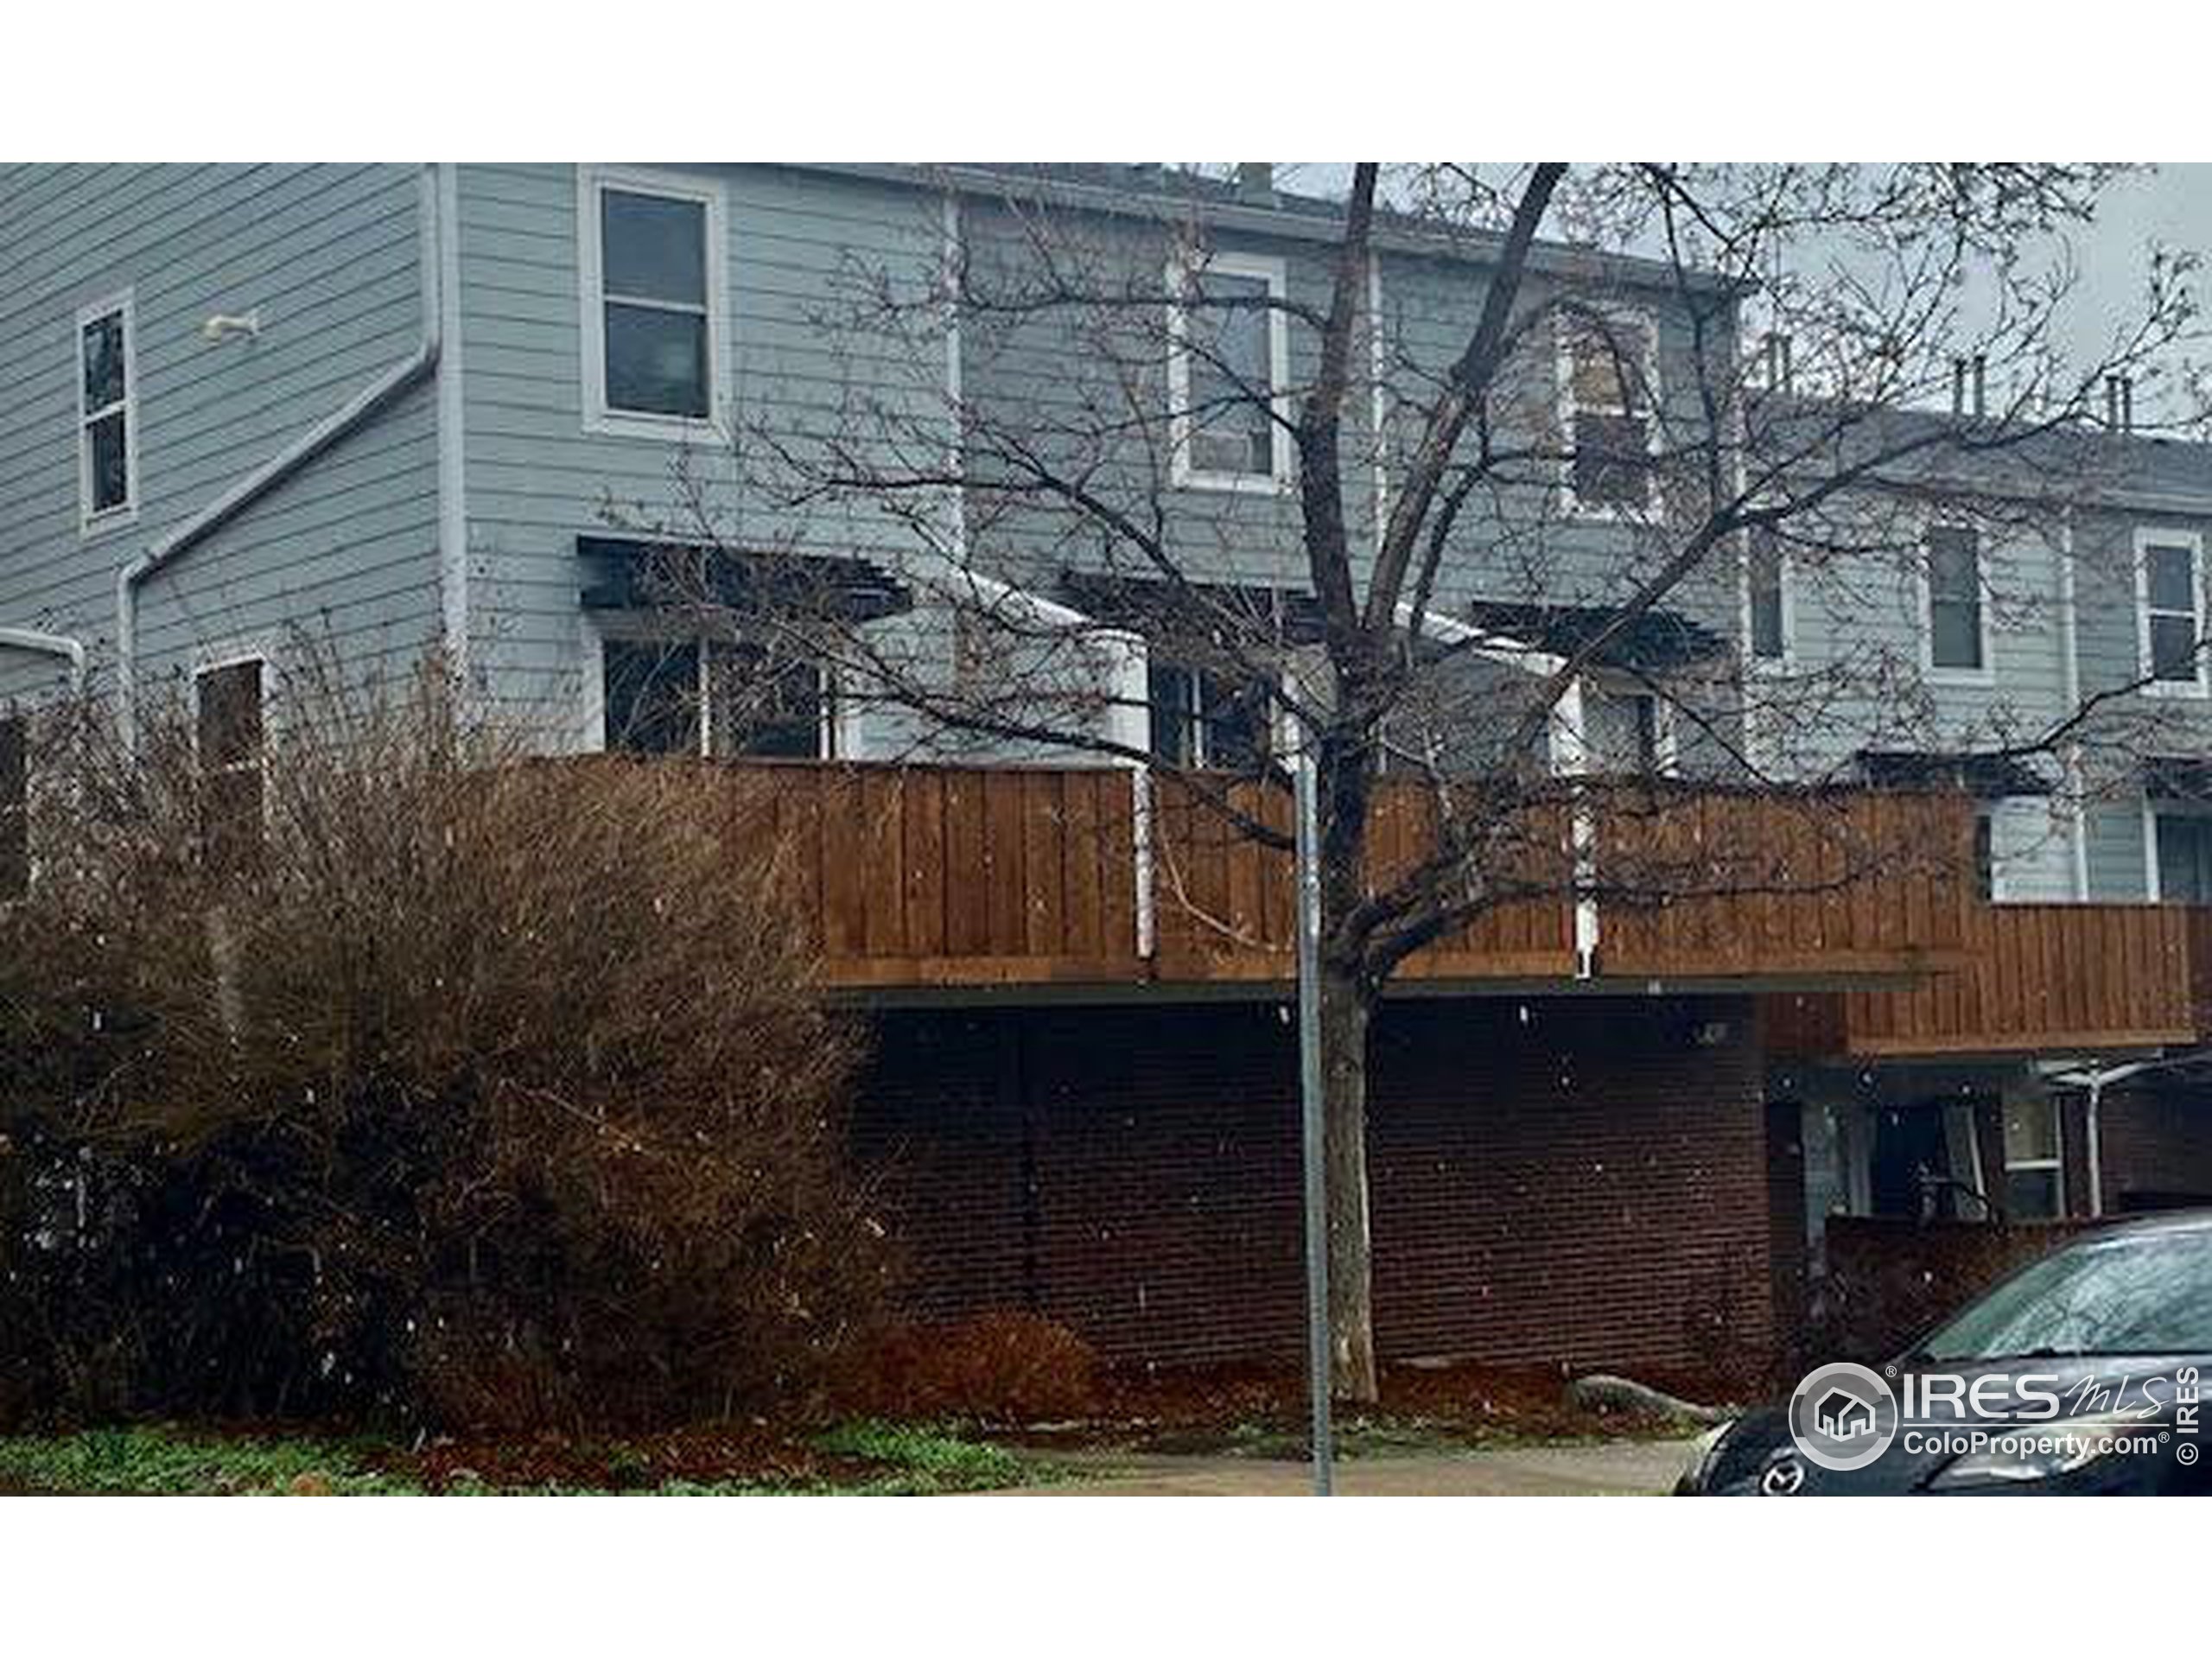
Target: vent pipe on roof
(2119, 402)
(1981, 385)
(1958, 385)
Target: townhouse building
(468, 409)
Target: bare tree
(1476, 485)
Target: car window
(2144, 1295)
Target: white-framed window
(2181, 854)
(650, 259)
(1229, 373)
(106, 353)
(230, 738)
(1955, 603)
(1201, 719)
(2170, 611)
(2035, 1167)
(1608, 403)
(726, 699)
(1985, 887)
(1769, 623)
(14, 807)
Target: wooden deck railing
(921, 878)
(2038, 977)
(1817, 884)
(1227, 906)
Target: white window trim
(2146, 536)
(1275, 273)
(841, 719)
(1563, 369)
(2154, 808)
(598, 418)
(210, 662)
(1944, 675)
(1666, 740)
(90, 523)
(2056, 1164)
(1785, 580)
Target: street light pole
(1313, 1107)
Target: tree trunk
(1344, 1014)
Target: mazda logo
(1781, 1478)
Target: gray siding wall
(798, 248)
(330, 256)
(2135, 725)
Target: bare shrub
(999, 1367)
(469, 1089)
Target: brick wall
(1582, 1181)
(2157, 1143)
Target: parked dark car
(2117, 1325)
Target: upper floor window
(652, 292)
(2182, 844)
(14, 807)
(1200, 720)
(2171, 604)
(716, 697)
(1608, 373)
(1228, 367)
(107, 413)
(1957, 617)
(1765, 574)
(230, 741)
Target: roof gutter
(64, 646)
(363, 407)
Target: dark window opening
(729, 700)
(2184, 849)
(1202, 720)
(15, 808)
(231, 744)
(1764, 576)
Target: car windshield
(2145, 1295)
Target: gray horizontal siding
(536, 478)
(330, 257)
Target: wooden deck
(2038, 978)
(930, 878)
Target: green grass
(166, 1460)
(163, 1459)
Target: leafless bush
(447, 1086)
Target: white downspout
(2070, 679)
(67, 647)
(363, 407)
(1570, 742)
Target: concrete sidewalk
(1617, 1467)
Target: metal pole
(1313, 1107)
